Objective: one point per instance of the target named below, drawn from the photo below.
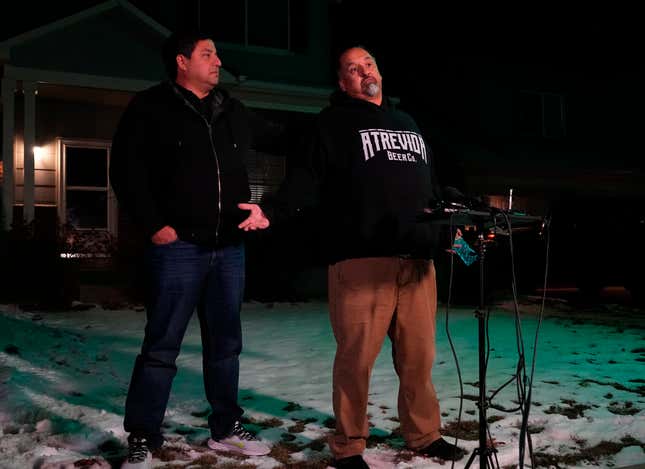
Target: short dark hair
(345, 49)
(180, 42)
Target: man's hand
(256, 220)
(164, 236)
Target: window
(279, 24)
(540, 114)
(86, 201)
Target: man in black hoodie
(177, 169)
(370, 172)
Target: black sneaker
(351, 462)
(139, 456)
(443, 450)
(240, 441)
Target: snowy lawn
(64, 377)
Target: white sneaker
(240, 441)
(139, 456)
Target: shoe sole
(217, 446)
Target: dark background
(434, 58)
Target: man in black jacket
(371, 174)
(177, 169)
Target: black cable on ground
(452, 346)
(524, 432)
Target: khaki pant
(369, 298)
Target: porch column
(29, 88)
(8, 103)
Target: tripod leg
(471, 458)
(491, 461)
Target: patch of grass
(283, 450)
(299, 427)
(622, 408)
(171, 453)
(330, 423)
(321, 464)
(318, 445)
(292, 406)
(640, 390)
(405, 456)
(572, 411)
(270, 423)
(494, 418)
(230, 465)
(263, 424)
(467, 430)
(591, 454)
(533, 429)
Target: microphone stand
(485, 451)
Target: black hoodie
(177, 160)
(370, 172)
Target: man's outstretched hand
(256, 220)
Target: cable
(452, 346)
(524, 383)
(524, 427)
(521, 379)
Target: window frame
(112, 210)
(542, 131)
(245, 44)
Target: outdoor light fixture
(38, 153)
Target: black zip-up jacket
(177, 160)
(371, 173)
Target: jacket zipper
(219, 179)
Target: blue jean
(181, 277)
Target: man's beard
(371, 90)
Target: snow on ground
(64, 377)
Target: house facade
(66, 84)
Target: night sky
(433, 59)
(411, 41)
